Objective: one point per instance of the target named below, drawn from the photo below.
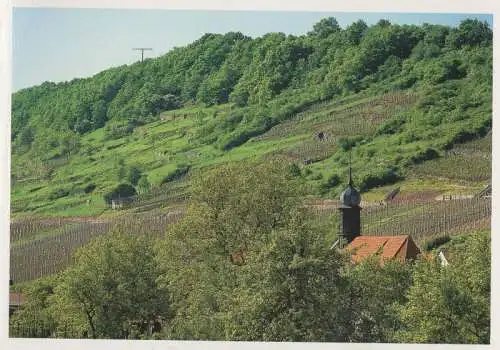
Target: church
(388, 247)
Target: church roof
(388, 247)
(350, 197)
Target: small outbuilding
(401, 248)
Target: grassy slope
(159, 147)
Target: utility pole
(142, 49)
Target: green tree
(470, 32)
(123, 190)
(370, 294)
(34, 319)
(450, 304)
(233, 212)
(111, 288)
(355, 32)
(291, 289)
(325, 27)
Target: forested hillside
(402, 94)
(193, 195)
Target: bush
(134, 174)
(58, 193)
(391, 126)
(294, 170)
(123, 190)
(346, 143)
(89, 188)
(420, 157)
(143, 184)
(332, 181)
(118, 130)
(239, 137)
(177, 174)
(435, 242)
(316, 176)
(385, 177)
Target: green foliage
(285, 284)
(422, 156)
(370, 295)
(470, 32)
(294, 170)
(117, 130)
(325, 27)
(391, 126)
(111, 290)
(58, 193)
(89, 188)
(180, 171)
(123, 190)
(332, 181)
(347, 143)
(34, 319)
(290, 290)
(450, 304)
(134, 174)
(433, 243)
(389, 91)
(378, 177)
(143, 184)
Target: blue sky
(62, 44)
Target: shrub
(294, 170)
(435, 242)
(332, 181)
(239, 137)
(177, 174)
(58, 193)
(123, 190)
(391, 126)
(316, 176)
(346, 143)
(385, 177)
(143, 184)
(89, 188)
(420, 157)
(118, 129)
(134, 174)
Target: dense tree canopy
(218, 68)
(248, 263)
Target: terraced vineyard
(36, 253)
(358, 118)
(469, 162)
(427, 219)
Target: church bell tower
(350, 218)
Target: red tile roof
(16, 299)
(388, 247)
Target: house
(401, 248)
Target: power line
(142, 49)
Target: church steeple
(350, 221)
(349, 183)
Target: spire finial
(350, 170)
